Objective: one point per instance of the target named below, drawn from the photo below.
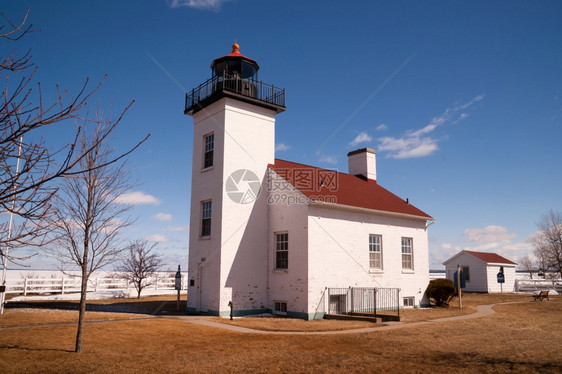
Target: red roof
(234, 54)
(330, 186)
(491, 257)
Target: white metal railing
(64, 285)
(528, 285)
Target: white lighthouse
(233, 143)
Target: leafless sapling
(140, 264)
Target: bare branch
(88, 218)
(140, 265)
(27, 193)
(548, 243)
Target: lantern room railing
(251, 89)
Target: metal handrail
(233, 83)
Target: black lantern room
(235, 64)
(235, 76)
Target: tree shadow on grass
(19, 348)
(134, 307)
(467, 360)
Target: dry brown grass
(470, 301)
(522, 337)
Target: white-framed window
(280, 307)
(281, 250)
(407, 254)
(206, 213)
(466, 272)
(375, 252)
(409, 301)
(209, 147)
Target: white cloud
(408, 147)
(159, 238)
(282, 147)
(381, 127)
(488, 235)
(164, 217)
(137, 198)
(328, 159)
(198, 4)
(361, 138)
(419, 143)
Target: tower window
(206, 210)
(209, 144)
(282, 251)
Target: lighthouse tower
(233, 143)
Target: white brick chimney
(363, 162)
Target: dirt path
(481, 311)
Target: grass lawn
(521, 337)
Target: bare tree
(527, 264)
(140, 265)
(548, 242)
(26, 193)
(89, 217)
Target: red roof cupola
(235, 63)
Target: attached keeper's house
(270, 235)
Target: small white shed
(481, 270)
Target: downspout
(268, 246)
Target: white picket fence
(62, 285)
(531, 285)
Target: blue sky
(461, 100)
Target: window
(409, 302)
(282, 251)
(466, 272)
(407, 252)
(375, 252)
(209, 147)
(206, 210)
(280, 307)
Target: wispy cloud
(164, 217)
(137, 198)
(158, 238)
(382, 127)
(488, 234)
(361, 138)
(199, 4)
(328, 159)
(282, 147)
(363, 104)
(419, 143)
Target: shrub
(441, 291)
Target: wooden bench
(541, 295)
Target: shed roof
(484, 256)
(491, 257)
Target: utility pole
(459, 285)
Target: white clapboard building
(480, 271)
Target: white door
(203, 290)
